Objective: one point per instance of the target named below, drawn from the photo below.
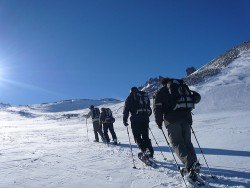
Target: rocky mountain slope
(207, 72)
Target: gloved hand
(159, 123)
(160, 126)
(125, 123)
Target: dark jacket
(106, 117)
(131, 106)
(94, 114)
(163, 108)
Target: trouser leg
(186, 132)
(112, 131)
(137, 137)
(95, 127)
(105, 132)
(100, 131)
(146, 141)
(175, 134)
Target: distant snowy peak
(206, 72)
(2, 105)
(151, 85)
(71, 105)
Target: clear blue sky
(52, 50)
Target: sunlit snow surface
(46, 149)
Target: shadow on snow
(225, 176)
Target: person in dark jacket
(107, 120)
(178, 120)
(94, 113)
(138, 105)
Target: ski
(146, 160)
(195, 181)
(154, 164)
(199, 182)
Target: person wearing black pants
(141, 136)
(138, 105)
(94, 113)
(109, 127)
(107, 120)
(98, 130)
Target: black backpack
(142, 103)
(108, 116)
(182, 97)
(96, 113)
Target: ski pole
(119, 109)
(178, 167)
(202, 153)
(131, 149)
(158, 145)
(87, 128)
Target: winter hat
(134, 89)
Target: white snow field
(41, 148)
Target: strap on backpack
(184, 100)
(143, 104)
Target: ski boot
(115, 142)
(193, 175)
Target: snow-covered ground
(40, 148)
(229, 90)
(43, 152)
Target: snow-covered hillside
(47, 145)
(228, 90)
(209, 71)
(70, 105)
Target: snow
(41, 152)
(229, 90)
(40, 147)
(71, 105)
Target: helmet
(134, 89)
(91, 107)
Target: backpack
(182, 97)
(142, 103)
(96, 113)
(108, 116)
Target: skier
(94, 113)
(173, 104)
(138, 105)
(107, 120)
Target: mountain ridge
(211, 69)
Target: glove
(125, 123)
(159, 124)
